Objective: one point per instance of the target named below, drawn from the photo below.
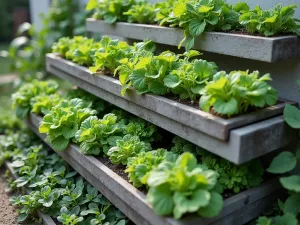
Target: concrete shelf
(238, 140)
(267, 49)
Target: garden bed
(239, 139)
(47, 220)
(238, 209)
(267, 49)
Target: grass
(4, 62)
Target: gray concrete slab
(267, 49)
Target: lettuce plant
(146, 132)
(96, 136)
(270, 22)
(21, 100)
(149, 73)
(195, 17)
(128, 146)
(235, 93)
(140, 166)
(63, 121)
(141, 13)
(108, 55)
(232, 177)
(62, 46)
(42, 104)
(190, 78)
(110, 11)
(181, 187)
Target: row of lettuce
(53, 187)
(180, 178)
(197, 16)
(182, 76)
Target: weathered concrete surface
(268, 49)
(238, 209)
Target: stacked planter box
(238, 209)
(238, 140)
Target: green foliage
(109, 54)
(140, 166)
(235, 93)
(231, 177)
(181, 187)
(128, 146)
(190, 78)
(58, 191)
(141, 13)
(146, 132)
(79, 49)
(112, 11)
(195, 17)
(96, 136)
(284, 162)
(178, 74)
(292, 116)
(8, 119)
(22, 100)
(28, 55)
(277, 20)
(42, 104)
(63, 121)
(148, 72)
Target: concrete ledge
(267, 49)
(47, 220)
(238, 140)
(238, 209)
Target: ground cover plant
(55, 189)
(183, 76)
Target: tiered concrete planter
(267, 49)
(47, 220)
(238, 209)
(238, 140)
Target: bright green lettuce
(128, 146)
(63, 121)
(22, 99)
(96, 136)
(235, 93)
(181, 187)
(140, 166)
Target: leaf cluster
(237, 92)
(63, 121)
(58, 191)
(24, 98)
(183, 186)
(140, 166)
(96, 136)
(232, 177)
(127, 147)
(131, 11)
(278, 20)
